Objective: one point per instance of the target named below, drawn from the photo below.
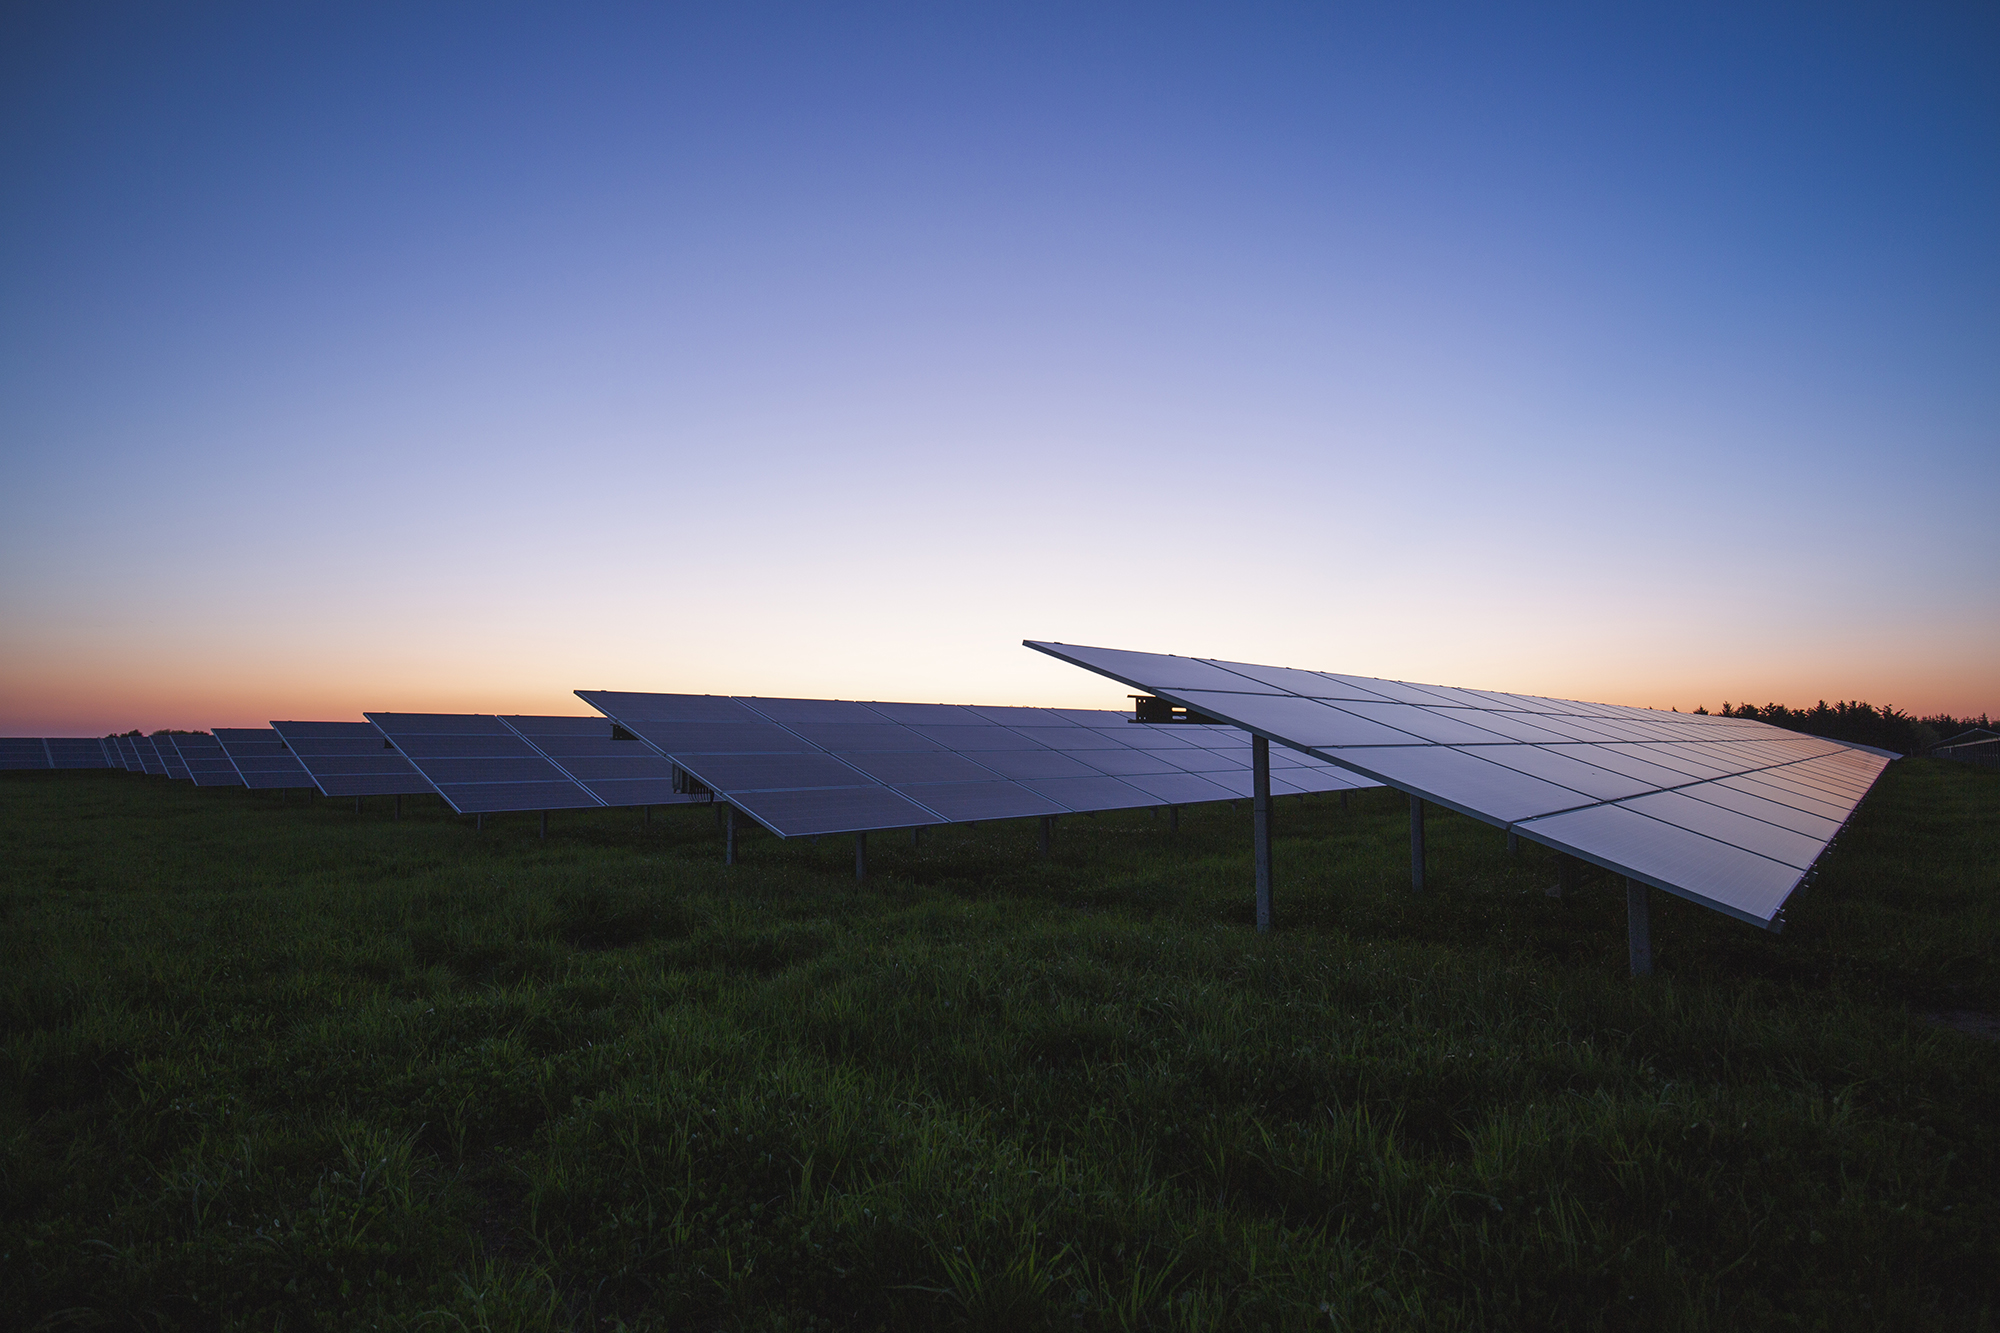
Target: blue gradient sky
(461, 356)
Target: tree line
(1862, 723)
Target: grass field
(272, 1065)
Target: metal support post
(1638, 928)
(860, 857)
(479, 823)
(1566, 875)
(1343, 803)
(916, 835)
(1513, 843)
(1416, 844)
(1260, 826)
(727, 814)
(1048, 826)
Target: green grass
(269, 1065)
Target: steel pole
(1417, 844)
(1638, 929)
(1260, 825)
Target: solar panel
(128, 750)
(22, 752)
(1728, 812)
(260, 758)
(804, 767)
(150, 761)
(617, 770)
(75, 752)
(207, 763)
(170, 756)
(351, 759)
(479, 764)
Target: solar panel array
(351, 759)
(44, 752)
(483, 764)
(617, 770)
(207, 763)
(480, 765)
(148, 753)
(1728, 812)
(261, 759)
(804, 767)
(23, 752)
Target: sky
(457, 357)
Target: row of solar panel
(814, 766)
(1729, 812)
(800, 767)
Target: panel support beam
(1638, 929)
(1048, 827)
(728, 813)
(1260, 826)
(1416, 844)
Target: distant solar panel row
(1728, 812)
(804, 767)
(481, 764)
(261, 759)
(351, 759)
(41, 752)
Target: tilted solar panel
(804, 767)
(619, 770)
(150, 759)
(170, 756)
(260, 758)
(1727, 812)
(75, 752)
(20, 752)
(207, 763)
(480, 765)
(351, 759)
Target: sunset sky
(455, 357)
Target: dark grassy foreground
(268, 1065)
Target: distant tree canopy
(1864, 724)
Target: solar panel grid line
(1664, 835)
